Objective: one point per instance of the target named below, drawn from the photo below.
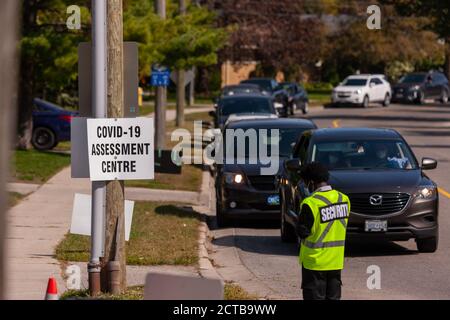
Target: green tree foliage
(48, 56)
(49, 49)
(179, 42)
(402, 43)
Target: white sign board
(121, 149)
(81, 216)
(167, 286)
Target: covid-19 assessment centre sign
(121, 149)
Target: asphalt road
(254, 256)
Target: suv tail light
(66, 118)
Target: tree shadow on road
(373, 248)
(272, 245)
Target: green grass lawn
(161, 234)
(190, 179)
(36, 166)
(231, 292)
(319, 97)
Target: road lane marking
(443, 192)
(336, 123)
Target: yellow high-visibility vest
(324, 248)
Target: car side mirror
(293, 165)
(371, 84)
(428, 164)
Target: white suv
(363, 89)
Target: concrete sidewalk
(40, 221)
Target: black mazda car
(246, 185)
(390, 195)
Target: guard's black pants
(321, 285)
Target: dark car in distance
(391, 198)
(242, 190)
(51, 124)
(244, 105)
(298, 97)
(419, 86)
(272, 87)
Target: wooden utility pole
(181, 88)
(161, 94)
(115, 258)
(9, 17)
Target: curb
(206, 269)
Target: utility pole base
(114, 281)
(94, 279)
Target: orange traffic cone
(52, 290)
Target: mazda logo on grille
(376, 200)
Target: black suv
(391, 198)
(242, 189)
(416, 87)
(272, 87)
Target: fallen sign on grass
(81, 216)
(121, 149)
(167, 286)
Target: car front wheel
(427, 245)
(365, 103)
(221, 219)
(387, 100)
(43, 139)
(287, 231)
(444, 96)
(305, 108)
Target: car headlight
(234, 178)
(357, 91)
(426, 192)
(416, 87)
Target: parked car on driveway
(51, 125)
(273, 88)
(298, 98)
(241, 190)
(362, 90)
(391, 197)
(419, 86)
(244, 105)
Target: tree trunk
(26, 89)
(181, 88)
(181, 98)
(115, 222)
(447, 58)
(9, 17)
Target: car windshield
(358, 82)
(360, 154)
(236, 90)
(267, 139)
(413, 78)
(265, 85)
(245, 105)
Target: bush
(318, 86)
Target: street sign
(81, 215)
(160, 77)
(121, 149)
(189, 76)
(130, 77)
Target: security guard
(322, 228)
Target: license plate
(273, 200)
(399, 95)
(376, 226)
